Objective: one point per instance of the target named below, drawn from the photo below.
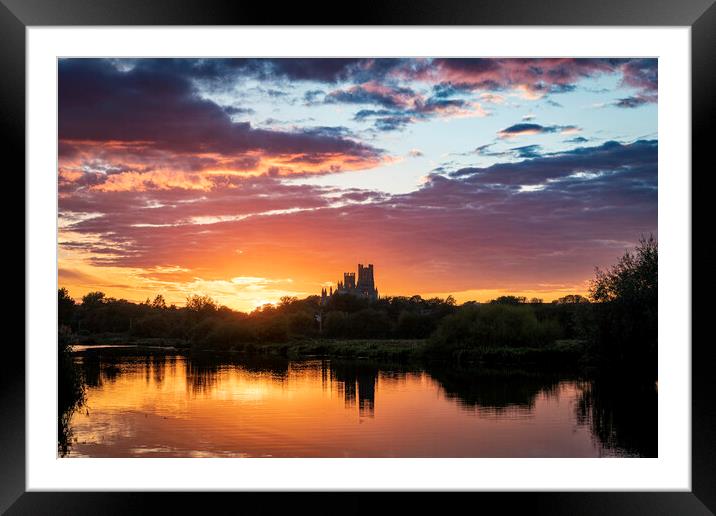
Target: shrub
(413, 325)
(227, 334)
(335, 324)
(273, 329)
(302, 324)
(369, 324)
(491, 326)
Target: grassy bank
(125, 339)
(561, 352)
(388, 349)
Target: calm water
(158, 405)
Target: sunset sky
(252, 179)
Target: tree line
(619, 319)
(203, 321)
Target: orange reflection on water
(174, 406)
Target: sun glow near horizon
(247, 293)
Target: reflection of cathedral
(357, 381)
(364, 287)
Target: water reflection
(622, 414)
(98, 368)
(70, 392)
(496, 391)
(158, 404)
(204, 371)
(356, 382)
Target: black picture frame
(700, 15)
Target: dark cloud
(486, 150)
(233, 110)
(327, 70)
(637, 160)
(634, 101)
(433, 105)
(538, 76)
(526, 128)
(522, 152)
(399, 118)
(311, 96)
(97, 102)
(448, 89)
(641, 74)
(275, 93)
(483, 148)
(451, 75)
(577, 139)
(385, 97)
(527, 151)
(365, 114)
(385, 119)
(392, 123)
(531, 128)
(329, 131)
(374, 83)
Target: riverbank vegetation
(617, 324)
(70, 390)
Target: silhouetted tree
(201, 304)
(93, 299)
(159, 302)
(633, 278)
(65, 307)
(627, 306)
(509, 300)
(287, 301)
(571, 299)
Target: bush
(153, 325)
(369, 324)
(491, 326)
(201, 330)
(413, 325)
(227, 334)
(273, 329)
(335, 324)
(302, 324)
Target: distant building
(364, 287)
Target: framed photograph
(417, 252)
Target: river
(145, 403)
